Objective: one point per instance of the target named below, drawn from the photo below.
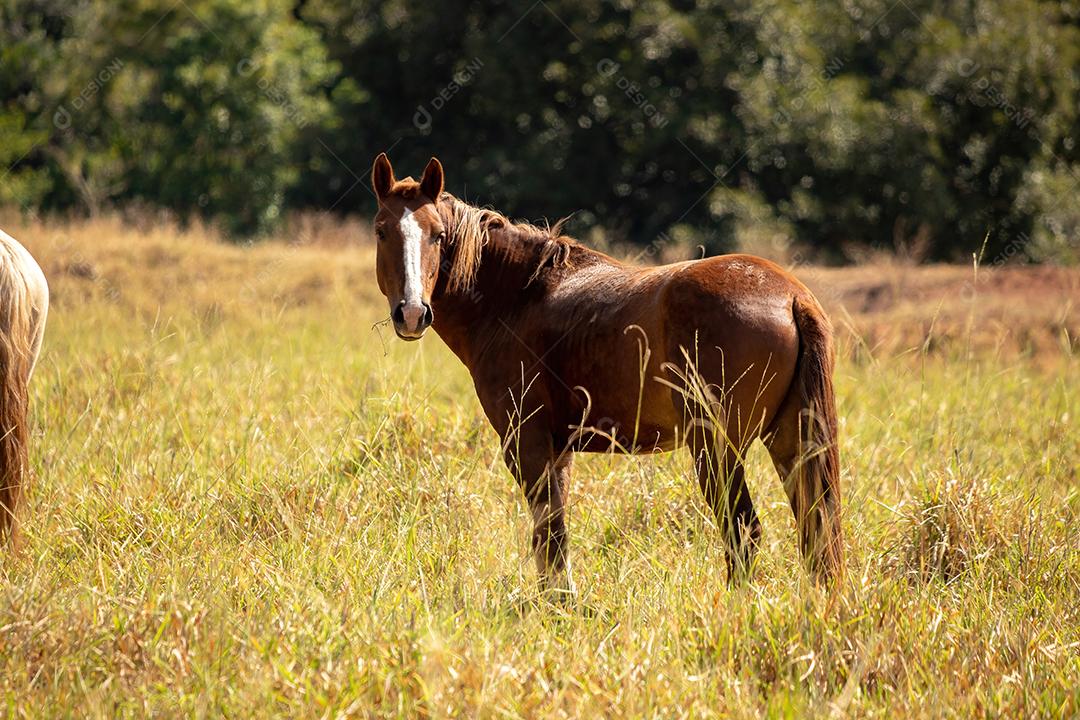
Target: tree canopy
(923, 126)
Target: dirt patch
(1024, 309)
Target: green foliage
(192, 106)
(917, 126)
(32, 36)
(222, 90)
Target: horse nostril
(398, 315)
(429, 315)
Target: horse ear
(382, 176)
(432, 182)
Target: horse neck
(465, 317)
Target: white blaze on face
(413, 235)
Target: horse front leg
(543, 478)
(550, 540)
(719, 467)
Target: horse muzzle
(411, 320)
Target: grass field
(249, 501)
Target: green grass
(247, 501)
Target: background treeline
(827, 127)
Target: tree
(192, 106)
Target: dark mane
(468, 229)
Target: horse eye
(441, 237)
(380, 234)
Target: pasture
(249, 499)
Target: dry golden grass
(248, 500)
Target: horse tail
(16, 362)
(818, 482)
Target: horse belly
(612, 404)
(612, 435)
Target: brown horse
(571, 350)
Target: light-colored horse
(24, 303)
